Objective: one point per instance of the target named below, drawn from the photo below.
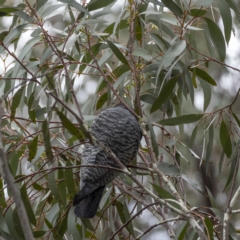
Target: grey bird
(118, 129)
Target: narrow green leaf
(14, 161)
(172, 6)
(119, 206)
(129, 226)
(217, 38)
(211, 198)
(153, 139)
(193, 137)
(203, 75)
(139, 29)
(124, 215)
(181, 120)
(72, 229)
(24, 16)
(70, 127)
(117, 52)
(233, 232)
(88, 57)
(121, 25)
(33, 148)
(209, 230)
(62, 186)
(31, 110)
(165, 195)
(53, 186)
(120, 70)
(206, 92)
(102, 99)
(232, 161)
(148, 98)
(193, 184)
(236, 119)
(47, 141)
(233, 6)
(5, 10)
(181, 231)
(70, 184)
(10, 224)
(209, 146)
(17, 223)
(226, 18)
(87, 224)
(63, 225)
(38, 234)
(38, 187)
(197, 12)
(28, 207)
(3, 203)
(16, 101)
(13, 34)
(95, 4)
(76, 5)
(225, 139)
(28, 46)
(165, 93)
(49, 225)
(169, 169)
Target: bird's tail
(86, 207)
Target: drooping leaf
(197, 12)
(62, 186)
(28, 207)
(129, 226)
(209, 230)
(117, 52)
(16, 101)
(33, 148)
(193, 136)
(103, 98)
(165, 93)
(94, 4)
(47, 140)
(148, 98)
(70, 126)
(70, 184)
(217, 38)
(181, 231)
(225, 139)
(232, 161)
(209, 146)
(181, 120)
(193, 184)
(153, 139)
(206, 92)
(169, 169)
(31, 111)
(165, 195)
(10, 224)
(236, 119)
(53, 186)
(76, 5)
(204, 76)
(6, 10)
(226, 18)
(172, 6)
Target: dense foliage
(158, 57)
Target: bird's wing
(118, 131)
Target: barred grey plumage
(118, 129)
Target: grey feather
(118, 129)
